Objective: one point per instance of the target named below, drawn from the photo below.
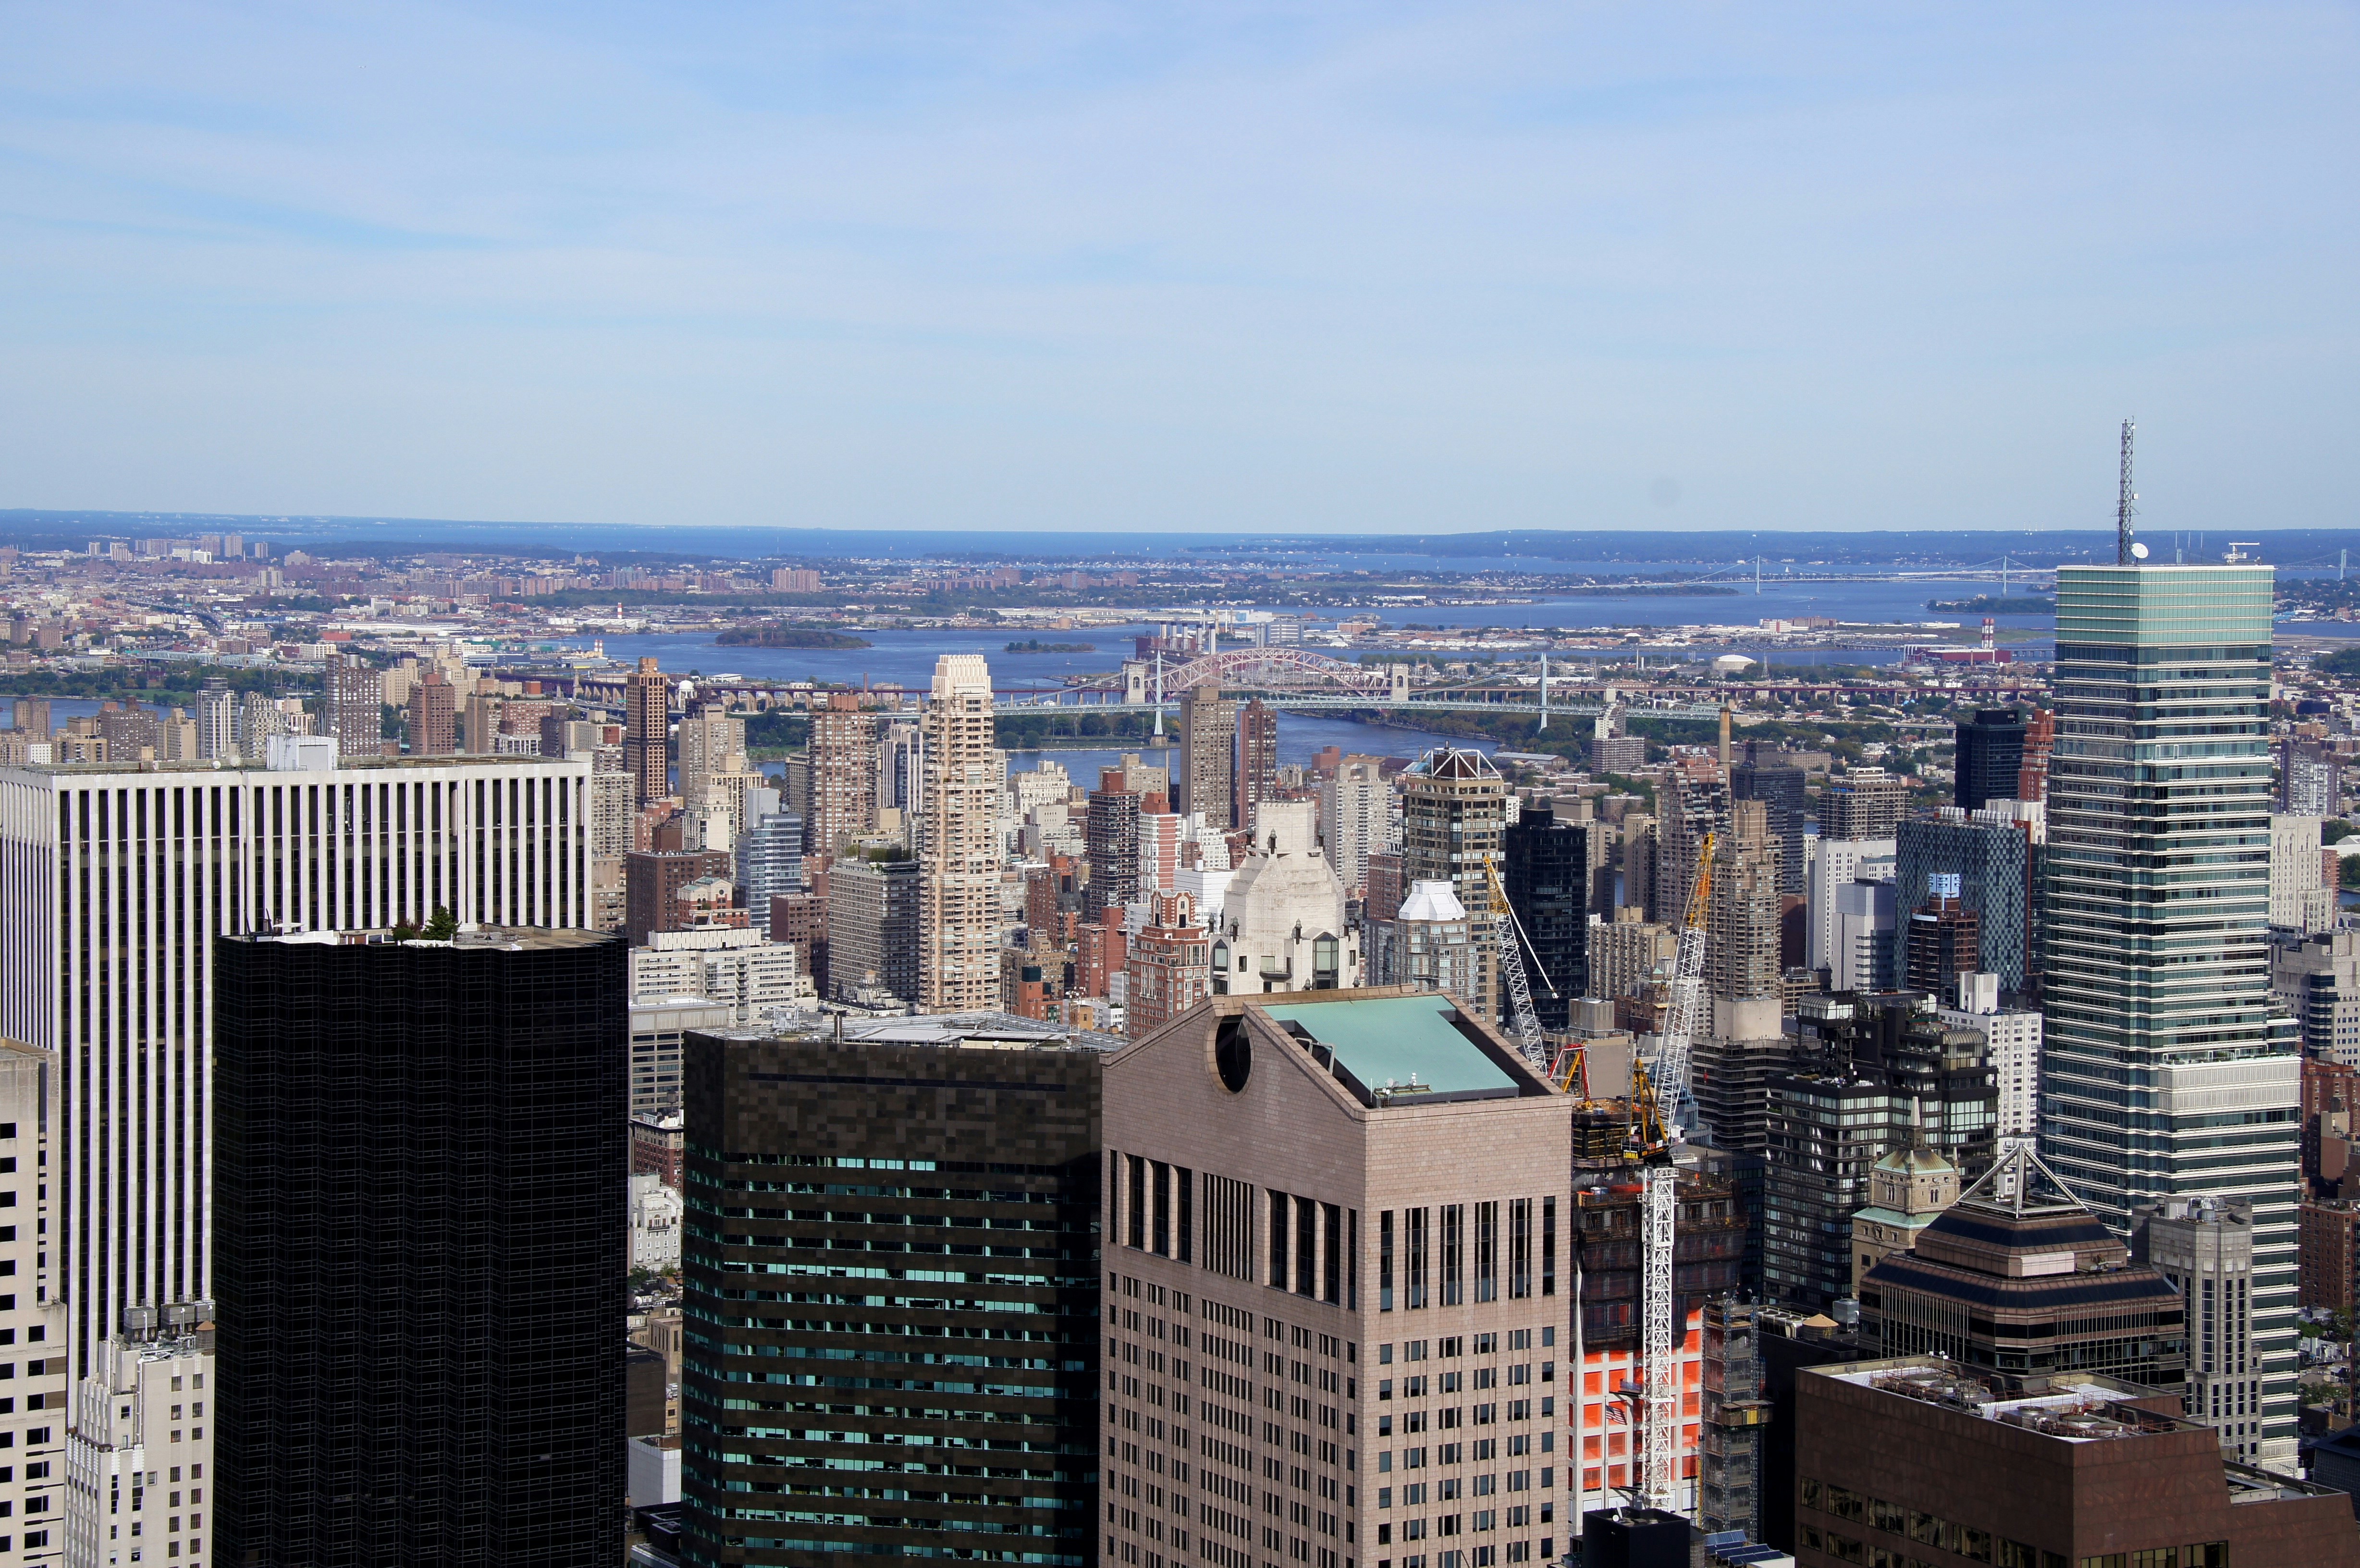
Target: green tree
(441, 925)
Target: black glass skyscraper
(419, 1168)
(1990, 755)
(891, 1260)
(1548, 879)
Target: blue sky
(1102, 267)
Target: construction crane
(1655, 1090)
(1520, 1018)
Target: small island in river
(788, 634)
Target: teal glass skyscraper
(2160, 1076)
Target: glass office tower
(2161, 1077)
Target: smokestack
(1724, 735)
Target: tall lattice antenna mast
(2125, 551)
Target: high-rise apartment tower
(842, 756)
(958, 842)
(1204, 779)
(647, 730)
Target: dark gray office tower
(1990, 755)
(1779, 786)
(420, 1163)
(892, 1264)
(1546, 876)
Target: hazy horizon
(1073, 269)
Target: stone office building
(1336, 1285)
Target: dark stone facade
(892, 1264)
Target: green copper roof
(1396, 1039)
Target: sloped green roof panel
(1397, 1039)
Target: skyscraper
(216, 719)
(977, 1376)
(710, 743)
(769, 859)
(2160, 1078)
(1375, 1301)
(1694, 800)
(1454, 820)
(1257, 761)
(1862, 802)
(1166, 967)
(1992, 861)
(1547, 872)
(2206, 1250)
(958, 842)
(1282, 924)
(1203, 781)
(1111, 841)
(356, 714)
(1941, 941)
(2017, 1276)
(647, 730)
(116, 882)
(2307, 785)
(1990, 757)
(32, 1424)
(420, 1162)
(434, 716)
(1741, 914)
(1778, 784)
(842, 756)
(872, 929)
(1355, 819)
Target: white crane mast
(1508, 936)
(1661, 1332)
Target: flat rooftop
(1408, 1046)
(2079, 1408)
(983, 1029)
(504, 939)
(343, 764)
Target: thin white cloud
(1101, 266)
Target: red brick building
(2329, 1254)
(1100, 950)
(1169, 966)
(656, 1144)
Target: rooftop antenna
(2125, 552)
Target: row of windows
(1483, 1451)
(1448, 1418)
(1431, 1257)
(1975, 1544)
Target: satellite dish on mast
(2138, 552)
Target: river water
(907, 658)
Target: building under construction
(1706, 1256)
